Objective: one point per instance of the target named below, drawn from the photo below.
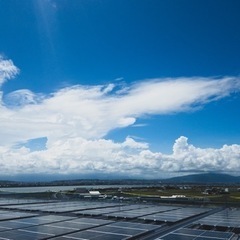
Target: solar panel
(177, 237)
(97, 235)
(225, 218)
(135, 225)
(187, 234)
(44, 219)
(174, 215)
(66, 225)
(135, 213)
(111, 230)
(61, 207)
(224, 235)
(22, 201)
(101, 211)
(5, 215)
(18, 235)
(190, 231)
(6, 225)
(91, 221)
(73, 225)
(49, 229)
(58, 228)
(119, 230)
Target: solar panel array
(138, 212)
(113, 231)
(66, 227)
(101, 211)
(65, 220)
(225, 218)
(21, 201)
(106, 209)
(61, 207)
(175, 215)
(5, 215)
(196, 234)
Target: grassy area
(157, 192)
(194, 193)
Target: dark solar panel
(23, 225)
(47, 229)
(112, 237)
(4, 228)
(189, 231)
(223, 235)
(18, 235)
(86, 235)
(116, 230)
(174, 215)
(177, 237)
(127, 231)
(73, 225)
(44, 219)
(97, 235)
(135, 225)
(12, 225)
(225, 218)
(208, 238)
(5, 215)
(185, 233)
(91, 220)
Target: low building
(174, 197)
(94, 193)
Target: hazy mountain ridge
(205, 178)
(193, 178)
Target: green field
(195, 193)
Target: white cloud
(189, 157)
(130, 158)
(7, 70)
(91, 112)
(108, 88)
(76, 119)
(21, 98)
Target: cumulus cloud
(129, 158)
(21, 98)
(189, 157)
(76, 119)
(142, 161)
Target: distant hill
(204, 178)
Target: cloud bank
(76, 119)
(129, 158)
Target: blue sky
(154, 82)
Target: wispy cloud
(7, 70)
(91, 112)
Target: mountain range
(204, 178)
